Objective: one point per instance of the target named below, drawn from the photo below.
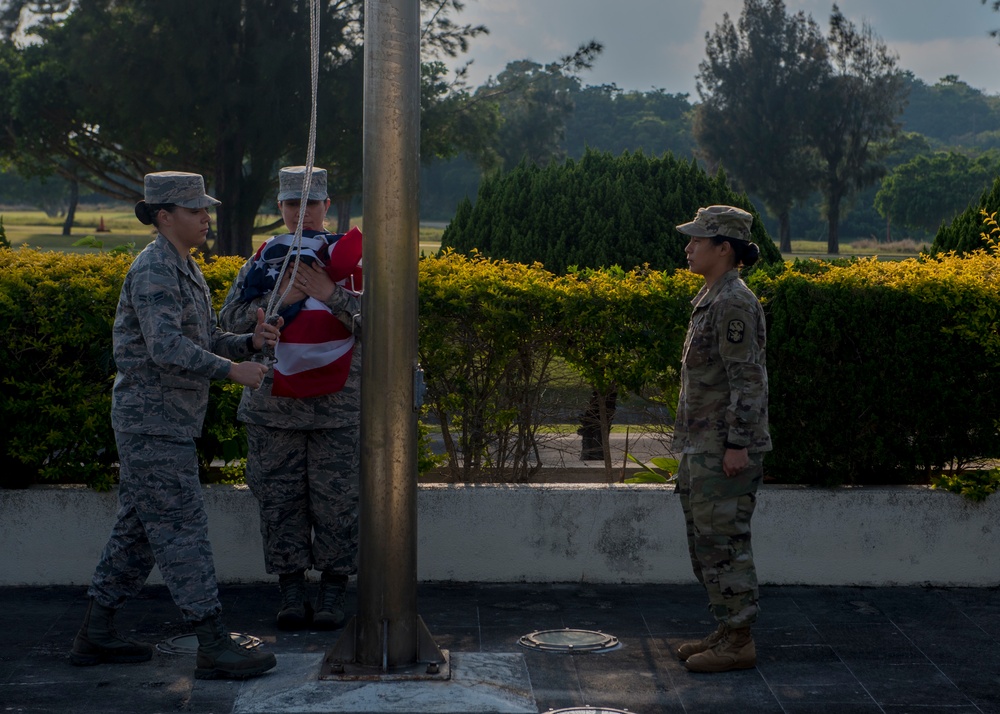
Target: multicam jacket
(723, 397)
(327, 411)
(167, 345)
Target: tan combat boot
(687, 649)
(734, 651)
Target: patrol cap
(291, 178)
(725, 221)
(177, 187)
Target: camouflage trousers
(306, 483)
(161, 520)
(717, 511)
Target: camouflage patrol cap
(177, 187)
(291, 178)
(725, 221)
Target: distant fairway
(36, 230)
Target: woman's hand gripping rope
(266, 334)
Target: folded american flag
(315, 350)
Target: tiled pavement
(820, 649)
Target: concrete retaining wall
(567, 533)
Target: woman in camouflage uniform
(303, 436)
(721, 433)
(168, 347)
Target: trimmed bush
(492, 334)
(598, 212)
(882, 372)
(879, 371)
(55, 407)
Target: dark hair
(746, 252)
(147, 212)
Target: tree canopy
(929, 190)
(854, 115)
(123, 87)
(758, 79)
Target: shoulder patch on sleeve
(735, 331)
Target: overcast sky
(659, 43)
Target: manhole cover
(589, 710)
(570, 640)
(188, 644)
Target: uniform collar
(706, 296)
(183, 262)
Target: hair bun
(143, 213)
(751, 254)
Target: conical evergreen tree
(963, 234)
(597, 212)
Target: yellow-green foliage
(882, 370)
(57, 311)
(55, 410)
(491, 330)
(974, 485)
(879, 371)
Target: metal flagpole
(387, 637)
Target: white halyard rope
(275, 301)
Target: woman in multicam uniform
(721, 432)
(303, 424)
(168, 347)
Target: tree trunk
(833, 224)
(593, 436)
(342, 205)
(785, 232)
(74, 201)
(234, 229)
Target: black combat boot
(219, 657)
(98, 641)
(293, 613)
(329, 612)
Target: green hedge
(882, 371)
(55, 406)
(494, 335)
(879, 371)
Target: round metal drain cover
(569, 640)
(589, 710)
(188, 644)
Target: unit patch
(735, 332)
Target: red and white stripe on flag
(313, 355)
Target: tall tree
(756, 84)
(855, 114)
(122, 87)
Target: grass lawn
(866, 247)
(36, 230)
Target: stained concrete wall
(567, 533)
